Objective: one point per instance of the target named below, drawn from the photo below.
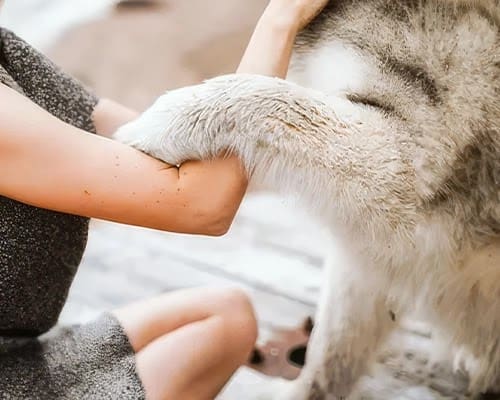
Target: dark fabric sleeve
(45, 84)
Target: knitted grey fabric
(40, 251)
(87, 362)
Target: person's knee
(238, 302)
(240, 317)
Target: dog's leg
(353, 318)
(350, 163)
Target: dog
(388, 130)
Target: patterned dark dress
(40, 251)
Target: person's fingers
(302, 11)
(310, 10)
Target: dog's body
(395, 145)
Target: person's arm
(271, 45)
(268, 53)
(53, 165)
(109, 115)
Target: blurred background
(132, 51)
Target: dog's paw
(154, 133)
(171, 129)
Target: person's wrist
(284, 19)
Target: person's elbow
(214, 222)
(215, 217)
(209, 227)
(218, 228)
(213, 203)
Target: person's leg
(189, 343)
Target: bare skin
(56, 166)
(189, 343)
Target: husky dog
(391, 136)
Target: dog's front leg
(348, 162)
(354, 316)
(250, 115)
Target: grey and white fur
(390, 135)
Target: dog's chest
(334, 68)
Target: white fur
(335, 69)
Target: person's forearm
(271, 45)
(56, 166)
(108, 116)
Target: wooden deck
(275, 253)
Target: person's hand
(297, 12)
